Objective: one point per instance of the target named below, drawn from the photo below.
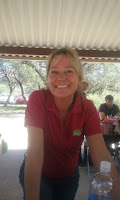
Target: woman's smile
(62, 86)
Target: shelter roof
(31, 29)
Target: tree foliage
(26, 75)
(40, 68)
(104, 78)
(6, 75)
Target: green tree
(6, 76)
(104, 78)
(22, 74)
(40, 68)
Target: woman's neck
(63, 104)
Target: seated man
(82, 161)
(108, 108)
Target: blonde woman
(57, 120)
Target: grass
(12, 108)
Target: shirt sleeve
(92, 121)
(34, 114)
(102, 108)
(117, 109)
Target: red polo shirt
(61, 141)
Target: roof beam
(32, 53)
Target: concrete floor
(10, 189)
(10, 162)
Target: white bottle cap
(105, 166)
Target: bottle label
(93, 197)
(97, 197)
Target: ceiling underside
(31, 29)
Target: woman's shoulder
(41, 94)
(84, 103)
(89, 104)
(88, 101)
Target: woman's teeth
(62, 86)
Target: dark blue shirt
(109, 111)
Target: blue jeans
(55, 189)
(59, 189)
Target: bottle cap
(105, 166)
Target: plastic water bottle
(101, 186)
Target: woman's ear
(80, 82)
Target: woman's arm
(117, 126)
(118, 114)
(99, 152)
(34, 161)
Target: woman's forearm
(33, 169)
(118, 127)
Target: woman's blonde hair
(72, 57)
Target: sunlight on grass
(13, 131)
(17, 142)
(12, 108)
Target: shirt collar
(77, 107)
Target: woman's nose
(61, 75)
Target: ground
(12, 128)
(14, 133)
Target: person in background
(82, 161)
(57, 120)
(117, 143)
(85, 84)
(108, 108)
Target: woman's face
(62, 77)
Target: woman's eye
(69, 71)
(53, 72)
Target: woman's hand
(117, 123)
(99, 152)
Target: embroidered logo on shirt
(77, 132)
